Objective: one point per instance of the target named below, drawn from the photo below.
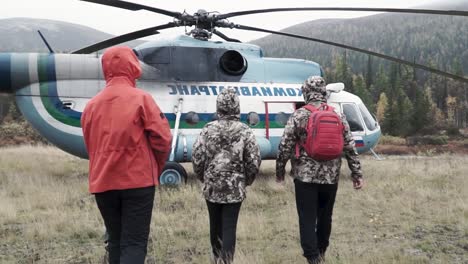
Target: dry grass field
(413, 210)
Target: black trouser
(127, 216)
(315, 208)
(223, 225)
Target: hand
(358, 183)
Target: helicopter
(184, 75)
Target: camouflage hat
(314, 89)
(227, 103)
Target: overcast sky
(118, 21)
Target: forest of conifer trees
(406, 101)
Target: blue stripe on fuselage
(52, 89)
(209, 117)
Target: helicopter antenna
(45, 42)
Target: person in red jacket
(128, 140)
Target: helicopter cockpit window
(253, 119)
(281, 118)
(192, 118)
(160, 55)
(368, 119)
(352, 117)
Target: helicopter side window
(370, 122)
(253, 119)
(192, 118)
(281, 118)
(352, 117)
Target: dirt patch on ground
(440, 238)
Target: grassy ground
(413, 210)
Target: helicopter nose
(5, 73)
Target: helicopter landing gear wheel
(173, 174)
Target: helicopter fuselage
(183, 75)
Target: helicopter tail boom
(21, 70)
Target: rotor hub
(200, 34)
(204, 22)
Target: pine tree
(343, 73)
(409, 82)
(398, 117)
(438, 86)
(451, 110)
(382, 105)
(438, 119)
(381, 83)
(369, 73)
(405, 110)
(390, 120)
(361, 91)
(459, 91)
(421, 115)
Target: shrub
(19, 132)
(391, 140)
(453, 131)
(427, 140)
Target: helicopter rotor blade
(221, 35)
(389, 10)
(124, 38)
(134, 7)
(405, 62)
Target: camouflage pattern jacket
(303, 167)
(226, 158)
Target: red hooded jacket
(127, 136)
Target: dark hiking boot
(313, 261)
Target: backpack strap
(327, 107)
(309, 107)
(323, 106)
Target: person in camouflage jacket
(316, 182)
(226, 159)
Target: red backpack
(324, 133)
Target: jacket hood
(227, 105)
(314, 89)
(121, 61)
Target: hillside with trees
(20, 35)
